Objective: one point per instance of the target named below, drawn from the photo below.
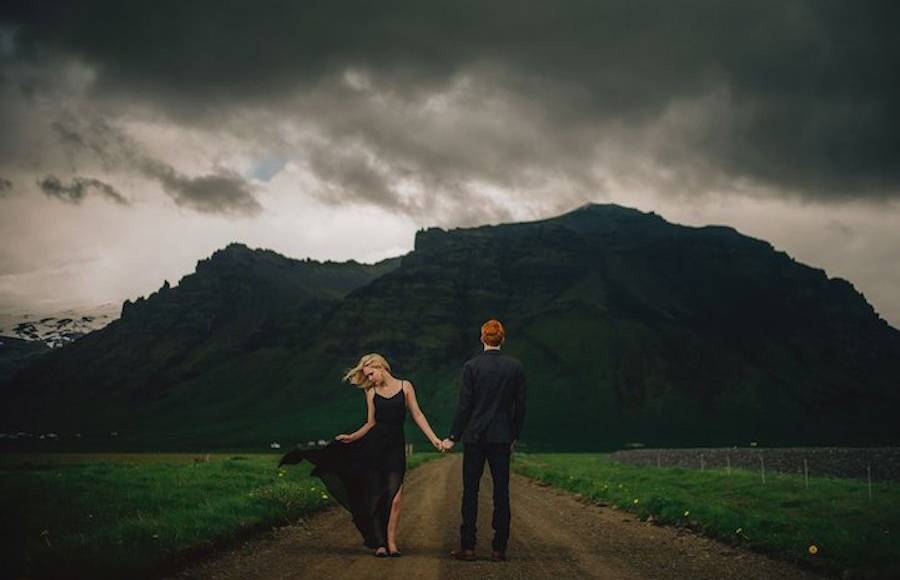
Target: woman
(364, 470)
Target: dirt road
(553, 536)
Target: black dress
(365, 475)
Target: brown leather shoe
(498, 556)
(464, 555)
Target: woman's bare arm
(370, 420)
(418, 416)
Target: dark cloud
(442, 159)
(351, 174)
(95, 138)
(77, 190)
(5, 187)
(805, 91)
(222, 192)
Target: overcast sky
(139, 137)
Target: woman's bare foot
(381, 552)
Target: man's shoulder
(512, 360)
(508, 360)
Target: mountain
(55, 329)
(631, 329)
(23, 336)
(16, 353)
(239, 313)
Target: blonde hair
(357, 377)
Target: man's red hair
(492, 332)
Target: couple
(364, 470)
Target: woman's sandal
(396, 554)
(378, 554)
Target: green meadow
(137, 515)
(831, 525)
(140, 514)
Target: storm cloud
(76, 191)
(801, 96)
(224, 191)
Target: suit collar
(491, 350)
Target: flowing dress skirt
(364, 476)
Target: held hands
(437, 444)
(447, 444)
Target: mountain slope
(54, 329)
(238, 301)
(634, 329)
(16, 353)
(631, 329)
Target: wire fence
(864, 463)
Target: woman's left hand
(343, 438)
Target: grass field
(135, 515)
(832, 525)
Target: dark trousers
(474, 456)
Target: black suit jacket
(491, 399)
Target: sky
(138, 137)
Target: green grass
(135, 515)
(782, 517)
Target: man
(488, 421)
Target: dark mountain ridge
(237, 301)
(631, 329)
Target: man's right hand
(447, 444)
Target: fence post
(657, 459)
(728, 462)
(702, 465)
(805, 473)
(869, 478)
(762, 468)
